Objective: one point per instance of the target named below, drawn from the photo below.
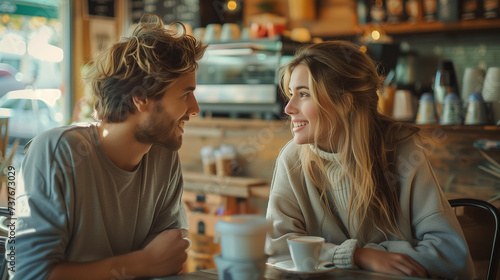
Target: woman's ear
(140, 102)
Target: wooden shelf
(461, 128)
(436, 27)
(405, 28)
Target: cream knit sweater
(428, 222)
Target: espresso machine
(240, 79)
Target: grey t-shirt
(74, 204)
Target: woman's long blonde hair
(344, 83)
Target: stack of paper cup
(426, 110)
(403, 106)
(452, 110)
(212, 33)
(242, 242)
(491, 92)
(476, 110)
(472, 82)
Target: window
(34, 55)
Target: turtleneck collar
(324, 155)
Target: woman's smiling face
(301, 107)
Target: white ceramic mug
(305, 251)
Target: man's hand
(166, 254)
(388, 262)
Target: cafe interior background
(229, 150)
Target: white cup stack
(452, 110)
(403, 106)
(212, 33)
(426, 110)
(491, 92)
(472, 82)
(230, 32)
(242, 242)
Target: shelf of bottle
(436, 27)
(461, 128)
(407, 28)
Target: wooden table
(272, 274)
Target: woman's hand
(388, 262)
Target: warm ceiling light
(363, 49)
(375, 35)
(232, 5)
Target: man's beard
(160, 129)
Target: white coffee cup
(230, 32)
(199, 33)
(426, 110)
(242, 237)
(212, 33)
(452, 110)
(472, 82)
(491, 86)
(476, 110)
(403, 106)
(305, 251)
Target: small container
(452, 110)
(491, 9)
(208, 160)
(470, 10)
(225, 158)
(403, 106)
(395, 11)
(476, 110)
(430, 8)
(448, 11)
(426, 110)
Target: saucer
(288, 266)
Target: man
(103, 201)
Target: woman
(357, 178)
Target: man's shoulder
(69, 135)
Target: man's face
(165, 123)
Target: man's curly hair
(144, 65)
